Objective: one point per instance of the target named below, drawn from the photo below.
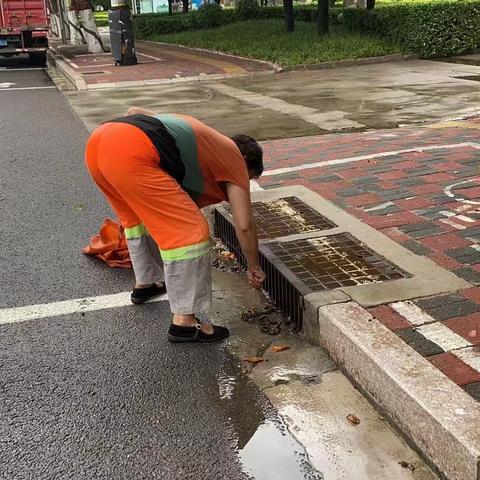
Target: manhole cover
(325, 263)
(287, 216)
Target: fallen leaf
(353, 419)
(279, 348)
(227, 255)
(407, 465)
(253, 360)
(472, 333)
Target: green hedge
(428, 29)
(213, 16)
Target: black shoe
(179, 334)
(141, 295)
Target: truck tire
(38, 58)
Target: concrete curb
(395, 57)
(442, 420)
(163, 81)
(56, 61)
(435, 413)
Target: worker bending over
(157, 171)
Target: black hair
(251, 151)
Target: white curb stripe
(444, 337)
(415, 315)
(67, 307)
(471, 356)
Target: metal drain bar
(285, 291)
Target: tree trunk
(170, 7)
(288, 12)
(185, 6)
(323, 23)
(90, 31)
(76, 37)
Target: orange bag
(110, 245)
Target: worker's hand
(256, 276)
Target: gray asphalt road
(99, 395)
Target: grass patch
(101, 19)
(268, 40)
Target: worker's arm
(244, 224)
(139, 111)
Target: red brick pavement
(405, 196)
(159, 62)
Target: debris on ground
(407, 465)
(266, 316)
(279, 348)
(353, 419)
(253, 360)
(224, 260)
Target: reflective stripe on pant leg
(188, 276)
(146, 261)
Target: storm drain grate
(325, 263)
(287, 216)
(296, 268)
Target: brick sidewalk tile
(454, 368)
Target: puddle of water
(266, 449)
(272, 453)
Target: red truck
(24, 28)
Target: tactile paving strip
(325, 263)
(287, 216)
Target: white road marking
(379, 207)
(458, 226)
(89, 54)
(415, 315)
(447, 213)
(471, 356)
(16, 89)
(339, 161)
(97, 66)
(464, 208)
(448, 191)
(6, 69)
(7, 84)
(151, 56)
(444, 337)
(463, 218)
(67, 307)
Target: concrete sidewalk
(285, 105)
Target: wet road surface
(101, 394)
